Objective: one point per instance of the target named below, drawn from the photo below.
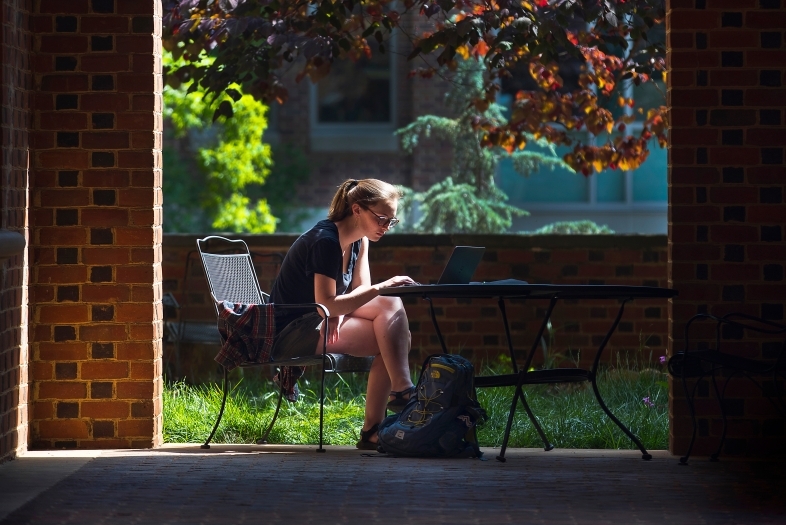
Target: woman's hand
(399, 280)
(333, 326)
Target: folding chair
(231, 277)
(701, 363)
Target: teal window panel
(650, 179)
(610, 186)
(546, 185)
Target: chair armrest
(298, 305)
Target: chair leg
(689, 400)
(322, 393)
(263, 439)
(220, 412)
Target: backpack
(440, 420)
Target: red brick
(104, 140)
(135, 350)
(135, 7)
(136, 82)
(55, 235)
(64, 83)
(765, 137)
(42, 140)
(766, 174)
(766, 19)
(106, 293)
(144, 331)
(135, 427)
(76, 160)
(104, 63)
(734, 272)
(106, 179)
(42, 294)
(765, 97)
(105, 409)
(135, 390)
(104, 24)
(733, 39)
(104, 102)
(42, 24)
(104, 217)
(766, 252)
(695, 137)
(737, 156)
(136, 121)
(134, 313)
(104, 370)
(58, 6)
(765, 58)
(680, 40)
(699, 213)
(105, 255)
(697, 20)
(134, 236)
(63, 429)
(765, 292)
(145, 140)
(695, 59)
(41, 371)
(142, 294)
(145, 217)
(766, 214)
(142, 370)
(63, 313)
(43, 410)
(732, 233)
(137, 159)
(695, 175)
(63, 121)
(61, 390)
(62, 274)
(67, 351)
(103, 332)
(134, 44)
(134, 197)
(734, 195)
(63, 44)
(682, 117)
(65, 197)
(696, 252)
(145, 64)
(682, 156)
(733, 78)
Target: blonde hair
(366, 192)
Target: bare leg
(379, 328)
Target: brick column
(726, 212)
(96, 275)
(13, 221)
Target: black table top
(533, 291)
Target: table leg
(594, 379)
(436, 326)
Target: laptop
(461, 265)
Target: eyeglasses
(385, 222)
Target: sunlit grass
(569, 414)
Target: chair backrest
(230, 276)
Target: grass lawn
(569, 414)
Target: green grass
(569, 414)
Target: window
(354, 107)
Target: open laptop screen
(461, 265)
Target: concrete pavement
(294, 485)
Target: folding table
(522, 375)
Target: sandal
(365, 436)
(398, 402)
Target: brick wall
(475, 327)
(726, 183)
(95, 276)
(13, 198)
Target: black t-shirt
(316, 251)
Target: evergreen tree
(469, 201)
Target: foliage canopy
(251, 41)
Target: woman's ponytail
(366, 191)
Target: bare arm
(362, 289)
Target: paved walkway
(294, 485)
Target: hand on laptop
(399, 280)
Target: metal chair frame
(244, 288)
(702, 363)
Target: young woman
(329, 265)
